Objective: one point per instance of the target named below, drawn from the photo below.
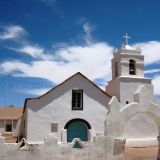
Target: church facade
(76, 108)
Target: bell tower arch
(132, 67)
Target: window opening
(8, 127)
(77, 99)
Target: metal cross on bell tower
(126, 38)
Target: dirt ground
(149, 153)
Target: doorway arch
(77, 128)
(142, 125)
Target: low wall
(101, 148)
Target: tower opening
(132, 67)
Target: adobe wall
(100, 149)
(138, 122)
(55, 107)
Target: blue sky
(43, 42)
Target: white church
(78, 110)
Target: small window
(77, 99)
(8, 127)
(132, 67)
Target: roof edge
(78, 73)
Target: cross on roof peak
(126, 38)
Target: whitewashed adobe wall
(102, 148)
(137, 122)
(56, 107)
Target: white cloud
(152, 71)
(156, 83)
(150, 50)
(12, 32)
(12, 66)
(34, 51)
(87, 28)
(91, 60)
(35, 92)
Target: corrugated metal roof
(10, 112)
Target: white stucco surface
(138, 125)
(99, 149)
(56, 107)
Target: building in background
(9, 117)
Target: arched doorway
(77, 128)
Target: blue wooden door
(77, 129)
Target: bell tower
(127, 61)
(127, 73)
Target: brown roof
(10, 112)
(78, 73)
